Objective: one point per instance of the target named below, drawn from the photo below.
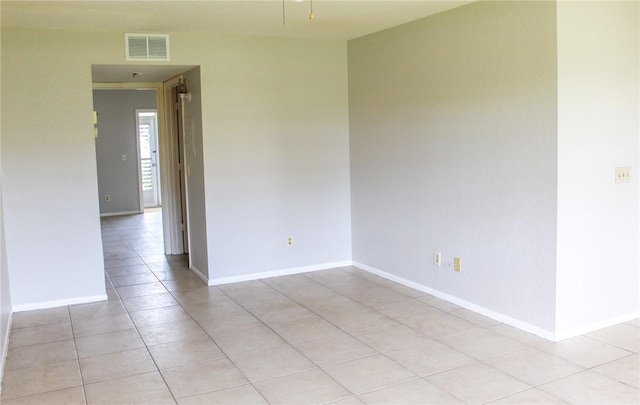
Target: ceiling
(334, 19)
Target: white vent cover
(147, 46)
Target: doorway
(177, 210)
(174, 132)
(147, 132)
(131, 172)
(119, 147)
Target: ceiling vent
(147, 46)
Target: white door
(147, 127)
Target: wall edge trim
(5, 349)
(516, 323)
(584, 329)
(277, 273)
(198, 273)
(59, 303)
(115, 214)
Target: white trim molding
(117, 214)
(277, 273)
(584, 329)
(554, 336)
(59, 303)
(5, 348)
(462, 303)
(200, 275)
(516, 323)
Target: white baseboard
(199, 274)
(276, 273)
(116, 214)
(516, 323)
(584, 329)
(5, 349)
(460, 302)
(59, 303)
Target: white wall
(52, 226)
(195, 183)
(276, 136)
(456, 145)
(5, 292)
(116, 137)
(598, 130)
(453, 148)
(275, 148)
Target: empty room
(323, 202)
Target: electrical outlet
(289, 241)
(107, 197)
(124, 157)
(437, 258)
(457, 264)
(623, 175)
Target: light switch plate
(623, 175)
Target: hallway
(133, 237)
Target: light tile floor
(340, 336)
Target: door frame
(175, 211)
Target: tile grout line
(193, 319)
(146, 346)
(75, 345)
(227, 355)
(119, 299)
(378, 353)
